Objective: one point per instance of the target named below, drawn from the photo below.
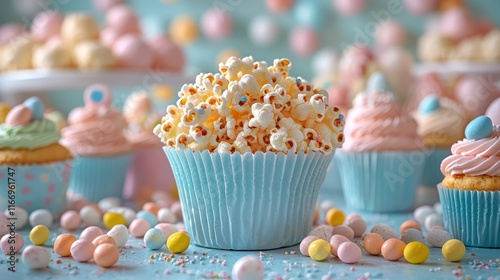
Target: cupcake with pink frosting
(470, 191)
(95, 136)
(382, 157)
(150, 170)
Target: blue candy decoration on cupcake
(429, 105)
(36, 107)
(479, 128)
(377, 82)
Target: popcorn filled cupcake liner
(332, 178)
(98, 177)
(248, 202)
(472, 216)
(431, 175)
(380, 181)
(37, 186)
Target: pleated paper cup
(37, 186)
(472, 216)
(380, 181)
(431, 175)
(98, 177)
(247, 202)
(332, 178)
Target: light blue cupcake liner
(332, 179)
(248, 202)
(98, 177)
(472, 216)
(380, 181)
(37, 186)
(431, 176)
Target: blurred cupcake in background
(57, 117)
(150, 170)
(95, 135)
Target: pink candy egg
(19, 115)
(9, 243)
(10, 31)
(247, 268)
(177, 209)
(70, 220)
(91, 233)
(349, 7)
(457, 23)
(409, 224)
(304, 244)
(132, 52)
(475, 94)
(82, 250)
(349, 252)
(304, 41)
(358, 225)
(216, 24)
(344, 231)
(335, 242)
(46, 24)
(168, 56)
(104, 239)
(167, 229)
(420, 7)
(122, 19)
(105, 5)
(385, 231)
(109, 36)
(36, 257)
(324, 232)
(139, 227)
(391, 33)
(279, 6)
(494, 111)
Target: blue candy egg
(429, 105)
(479, 128)
(377, 82)
(36, 106)
(148, 217)
(154, 239)
(309, 13)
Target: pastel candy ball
(325, 61)
(344, 231)
(104, 239)
(90, 216)
(377, 82)
(248, 268)
(168, 229)
(416, 252)
(19, 115)
(429, 104)
(20, 214)
(106, 255)
(349, 7)
(411, 235)
(112, 219)
(475, 94)
(17, 244)
(10, 31)
(309, 13)
(39, 234)
(184, 30)
(154, 239)
(166, 216)
(139, 227)
(131, 51)
(304, 244)
(91, 233)
(119, 234)
(41, 217)
(279, 6)
(433, 220)
(216, 25)
(438, 237)
(70, 220)
(409, 224)
(319, 250)
(123, 19)
(493, 111)
(105, 5)
(385, 231)
(178, 242)
(390, 33)
(349, 252)
(46, 24)
(479, 128)
(128, 213)
(420, 7)
(457, 23)
(324, 232)
(334, 217)
(4, 111)
(393, 249)
(63, 243)
(168, 56)
(335, 242)
(35, 257)
(358, 226)
(453, 250)
(422, 212)
(107, 203)
(82, 250)
(36, 106)
(263, 30)
(148, 216)
(304, 41)
(373, 244)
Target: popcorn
(249, 107)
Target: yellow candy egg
(335, 217)
(416, 252)
(178, 242)
(4, 110)
(453, 250)
(112, 219)
(319, 250)
(39, 234)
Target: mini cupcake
(95, 135)
(31, 160)
(249, 148)
(382, 158)
(150, 170)
(441, 122)
(470, 191)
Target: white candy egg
(41, 217)
(35, 257)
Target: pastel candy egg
(151, 207)
(104, 239)
(91, 233)
(4, 111)
(453, 250)
(479, 128)
(493, 111)
(82, 250)
(411, 235)
(304, 244)
(165, 215)
(168, 229)
(358, 226)
(119, 234)
(105, 5)
(393, 249)
(422, 212)
(438, 208)
(176, 207)
(35, 257)
(70, 220)
(184, 29)
(319, 250)
(420, 7)
(154, 239)
(39, 234)
(106, 255)
(335, 242)
(433, 220)
(279, 6)
(416, 252)
(373, 244)
(344, 231)
(324, 232)
(248, 268)
(309, 13)
(112, 219)
(19, 115)
(178, 242)
(90, 216)
(8, 242)
(377, 82)
(46, 24)
(263, 30)
(108, 202)
(128, 213)
(428, 105)
(216, 25)
(437, 237)
(63, 243)
(349, 7)
(131, 51)
(304, 41)
(409, 224)
(148, 216)
(385, 231)
(20, 214)
(139, 227)
(475, 94)
(123, 19)
(41, 217)
(36, 106)
(334, 217)
(349, 252)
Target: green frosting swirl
(38, 133)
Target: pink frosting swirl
(474, 157)
(376, 123)
(96, 131)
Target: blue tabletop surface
(137, 262)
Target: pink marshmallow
(168, 56)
